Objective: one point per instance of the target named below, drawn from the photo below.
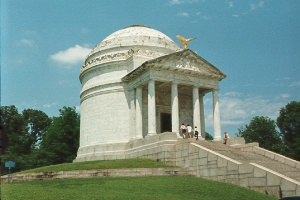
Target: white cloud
(49, 105)
(254, 6)
(71, 56)
(230, 4)
(26, 42)
(30, 32)
(207, 17)
(233, 94)
(203, 16)
(183, 14)
(177, 2)
(236, 110)
(284, 96)
(295, 84)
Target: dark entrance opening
(166, 122)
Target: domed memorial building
(136, 84)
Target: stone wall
(160, 147)
(211, 165)
(99, 173)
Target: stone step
(250, 157)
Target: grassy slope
(171, 187)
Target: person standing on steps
(196, 132)
(226, 137)
(183, 130)
(189, 129)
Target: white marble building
(137, 83)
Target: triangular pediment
(187, 61)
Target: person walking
(183, 130)
(196, 132)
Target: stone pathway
(251, 157)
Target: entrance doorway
(166, 122)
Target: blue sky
(256, 43)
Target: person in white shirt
(189, 130)
(183, 130)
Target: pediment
(184, 62)
(187, 61)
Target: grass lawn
(102, 164)
(171, 187)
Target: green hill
(155, 187)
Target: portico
(174, 84)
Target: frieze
(119, 57)
(148, 53)
(105, 59)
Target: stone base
(97, 173)
(160, 147)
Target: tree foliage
(20, 134)
(61, 142)
(14, 130)
(263, 130)
(32, 139)
(37, 123)
(288, 122)
(208, 136)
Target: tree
(288, 122)
(61, 142)
(14, 136)
(21, 134)
(208, 136)
(14, 131)
(263, 130)
(38, 123)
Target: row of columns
(198, 111)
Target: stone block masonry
(209, 164)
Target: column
(175, 109)
(151, 109)
(196, 109)
(202, 119)
(132, 126)
(216, 115)
(138, 112)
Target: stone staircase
(251, 157)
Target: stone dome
(139, 36)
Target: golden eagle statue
(184, 41)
